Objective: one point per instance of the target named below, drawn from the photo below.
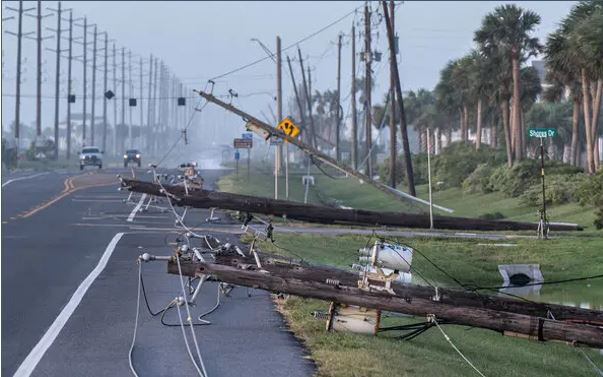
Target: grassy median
(474, 262)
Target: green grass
(340, 354)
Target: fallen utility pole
(314, 152)
(199, 198)
(308, 281)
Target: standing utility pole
(279, 114)
(338, 111)
(392, 110)
(149, 107)
(69, 85)
(39, 73)
(123, 90)
(57, 82)
(85, 77)
(115, 153)
(154, 113)
(141, 108)
(105, 99)
(92, 131)
(353, 99)
(403, 126)
(130, 92)
(367, 90)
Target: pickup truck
(91, 156)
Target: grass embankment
(474, 262)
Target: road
(69, 286)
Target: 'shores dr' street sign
(542, 132)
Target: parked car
(132, 155)
(91, 156)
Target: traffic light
(181, 101)
(71, 98)
(132, 102)
(109, 94)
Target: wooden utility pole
(39, 73)
(85, 68)
(105, 99)
(338, 110)
(353, 99)
(368, 121)
(308, 281)
(130, 94)
(155, 116)
(403, 127)
(115, 151)
(149, 107)
(93, 98)
(392, 110)
(324, 215)
(140, 104)
(279, 114)
(308, 96)
(18, 89)
(123, 93)
(300, 107)
(69, 85)
(57, 79)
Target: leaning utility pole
(338, 111)
(392, 110)
(297, 98)
(403, 127)
(105, 99)
(279, 114)
(308, 96)
(93, 113)
(353, 99)
(367, 91)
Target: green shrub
(478, 181)
(590, 192)
(560, 189)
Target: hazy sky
(200, 40)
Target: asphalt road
(67, 313)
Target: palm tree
(507, 31)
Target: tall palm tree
(507, 31)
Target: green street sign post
(542, 133)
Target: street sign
(247, 135)
(542, 132)
(240, 143)
(250, 126)
(288, 127)
(237, 156)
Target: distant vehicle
(91, 156)
(132, 155)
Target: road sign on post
(542, 132)
(240, 143)
(288, 127)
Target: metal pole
(123, 90)
(69, 88)
(367, 89)
(85, 83)
(57, 85)
(429, 179)
(93, 98)
(155, 117)
(392, 109)
(39, 74)
(279, 114)
(338, 111)
(105, 91)
(543, 220)
(353, 99)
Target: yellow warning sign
(288, 127)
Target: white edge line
(35, 355)
(23, 178)
(136, 209)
